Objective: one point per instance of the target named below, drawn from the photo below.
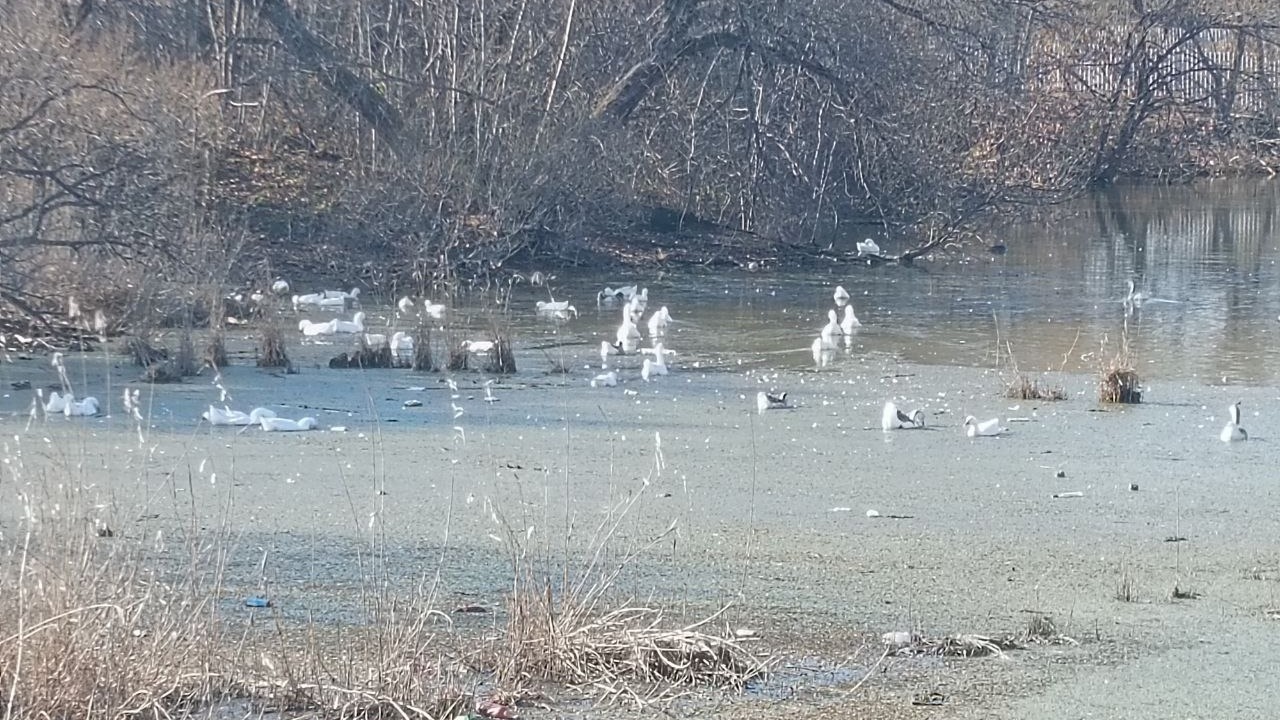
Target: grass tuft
(271, 347)
(1118, 380)
(1023, 387)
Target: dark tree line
(167, 138)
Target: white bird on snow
(401, 345)
(307, 299)
(312, 329)
(435, 310)
(607, 349)
(610, 294)
(638, 303)
(894, 419)
(986, 428)
(556, 308)
(658, 322)
(278, 424)
(841, 296)
(57, 403)
(354, 325)
(769, 401)
(1233, 432)
(850, 321)
(226, 416)
(868, 247)
(659, 351)
(831, 329)
(608, 379)
(353, 294)
(822, 352)
(628, 336)
(80, 408)
(653, 368)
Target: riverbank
(766, 512)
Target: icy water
(1206, 255)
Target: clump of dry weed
(1118, 380)
(502, 359)
(1023, 387)
(569, 627)
(423, 359)
(271, 347)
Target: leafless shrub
(271, 346)
(423, 352)
(1023, 387)
(458, 357)
(502, 360)
(215, 351)
(143, 353)
(1118, 380)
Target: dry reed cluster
(1118, 380)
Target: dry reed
(1026, 388)
(271, 346)
(502, 359)
(1118, 380)
(423, 357)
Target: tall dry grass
(568, 621)
(105, 617)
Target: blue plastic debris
(257, 602)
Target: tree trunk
(316, 56)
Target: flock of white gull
(842, 323)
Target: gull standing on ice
(1233, 432)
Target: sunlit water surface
(1205, 254)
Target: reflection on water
(1206, 253)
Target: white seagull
(628, 336)
(354, 325)
(307, 299)
(226, 416)
(658, 322)
(841, 296)
(435, 310)
(850, 322)
(823, 351)
(769, 401)
(401, 345)
(80, 408)
(312, 329)
(610, 294)
(894, 419)
(831, 329)
(277, 424)
(653, 368)
(609, 379)
(868, 247)
(353, 294)
(57, 403)
(987, 428)
(556, 308)
(1233, 432)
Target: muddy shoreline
(764, 511)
